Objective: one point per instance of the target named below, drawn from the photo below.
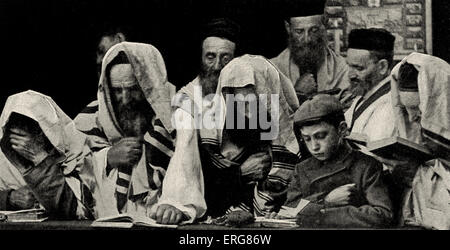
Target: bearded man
(370, 58)
(130, 132)
(218, 49)
(308, 61)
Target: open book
(27, 215)
(128, 221)
(393, 147)
(356, 140)
(286, 217)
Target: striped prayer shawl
(224, 190)
(158, 150)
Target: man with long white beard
(308, 61)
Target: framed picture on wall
(408, 20)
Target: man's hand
(22, 198)
(256, 167)
(306, 84)
(341, 196)
(127, 152)
(167, 214)
(31, 147)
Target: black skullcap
(371, 39)
(223, 28)
(302, 8)
(407, 78)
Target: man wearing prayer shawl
(420, 99)
(42, 149)
(221, 151)
(130, 131)
(219, 42)
(370, 57)
(308, 61)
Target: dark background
(49, 45)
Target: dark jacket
(4, 201)
(313, 180)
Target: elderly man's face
(307, 41)
(132, 109)
(410, 100)
(216, 53)
(362, 71)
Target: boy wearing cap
(336, 186)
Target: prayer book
(356, 140)
(275, 223)
(27, 215)
(396, 147)
(128, 221)
(287, 217)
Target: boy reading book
(336, 186)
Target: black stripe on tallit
(122, 182)
(285, 157)
(378, 94)
(89, 110)
(156, 157)
(95, 131)
(150, 172)
(161, 139)
(159, 123)
(436, 137)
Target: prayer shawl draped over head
(100, 123)
(427, 204)
(224, 161)
(73, 154)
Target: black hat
(222, 27)
(371, 39)
(302, 8)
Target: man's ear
(287, 26)
(120, 37)
(383, 67)
(343, 129)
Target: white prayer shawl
(100, 124)
(434, 94)
(242, 71)
(183, 183)
(427, 203)
(60, 131)
(10, 177)
(377, 120)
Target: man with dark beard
(218, 49)
(130, 133)
(308, 61)
(240, 156)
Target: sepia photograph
(223, 123)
